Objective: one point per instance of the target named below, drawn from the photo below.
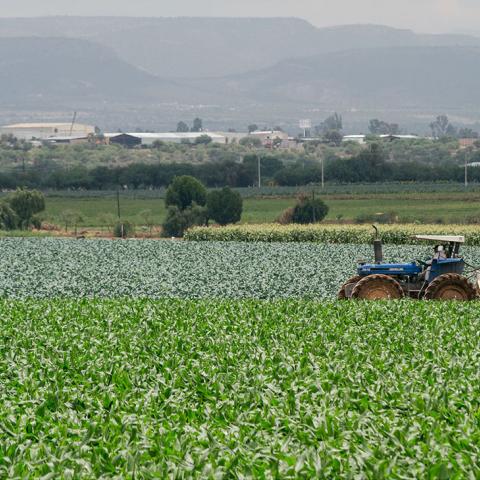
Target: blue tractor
(445, 276)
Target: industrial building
(43, 131)
(148, 139)
(362, 139)
(269, 136)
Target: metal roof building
(174, 137)
(43, 131)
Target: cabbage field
(158, 359)
(51, 268)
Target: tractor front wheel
(450, 286)
(377, 287)
(343, 292)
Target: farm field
(394, 234)
(52, 268)
(238, 389)
(448, 207)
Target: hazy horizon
(430, 16)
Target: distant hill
(58, 70)
(410, 78)
(147, 72)
(216, 47)
(181, 47)
(67, 71)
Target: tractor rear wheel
(377, 287)
(342, 293)
(450, 286)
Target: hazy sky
(420, 15)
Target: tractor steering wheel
(421, 262)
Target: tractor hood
(390, 269)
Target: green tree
(159, 144)
(225, 206)
(250, 142)
(309, 210)
(71, 218)
(184, 191)
(203, 140)
(26, 204)
(379, 127)
(466, 132)
(182, 127)
(8, 218)
(178, 221)
(197, 125)
(442, 127)
(334, 137)
(333, 122)
(123, 229)
(252, 128)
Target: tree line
(372, 164)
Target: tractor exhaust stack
(377, 247)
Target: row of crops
(332, 234)
(52, 268)
(246, 389)
(159, 359)
(330, 189)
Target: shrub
(286, 216)
(225, 206)
(8, 218)
(203, 140)
(36, 222)
(123, 230)
(71, 218)
(26, 203)
(178, 221)
(184, 191)
(311, 210)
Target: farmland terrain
(226, 354)
(180, 359)
(51, 268)
(449, 207)
(197, 389)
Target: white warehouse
(42, 131)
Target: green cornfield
(328, 233)
(238, 389)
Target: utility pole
(323, 175)
(313, 208)
(73, 122)
(466, 173)
(118, 202)
(319, 152)
(122, 231)
(259, 172)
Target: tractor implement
(442, 277)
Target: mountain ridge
(355, 69)
(186, 47)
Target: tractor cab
(439, 277)
(446, 257)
